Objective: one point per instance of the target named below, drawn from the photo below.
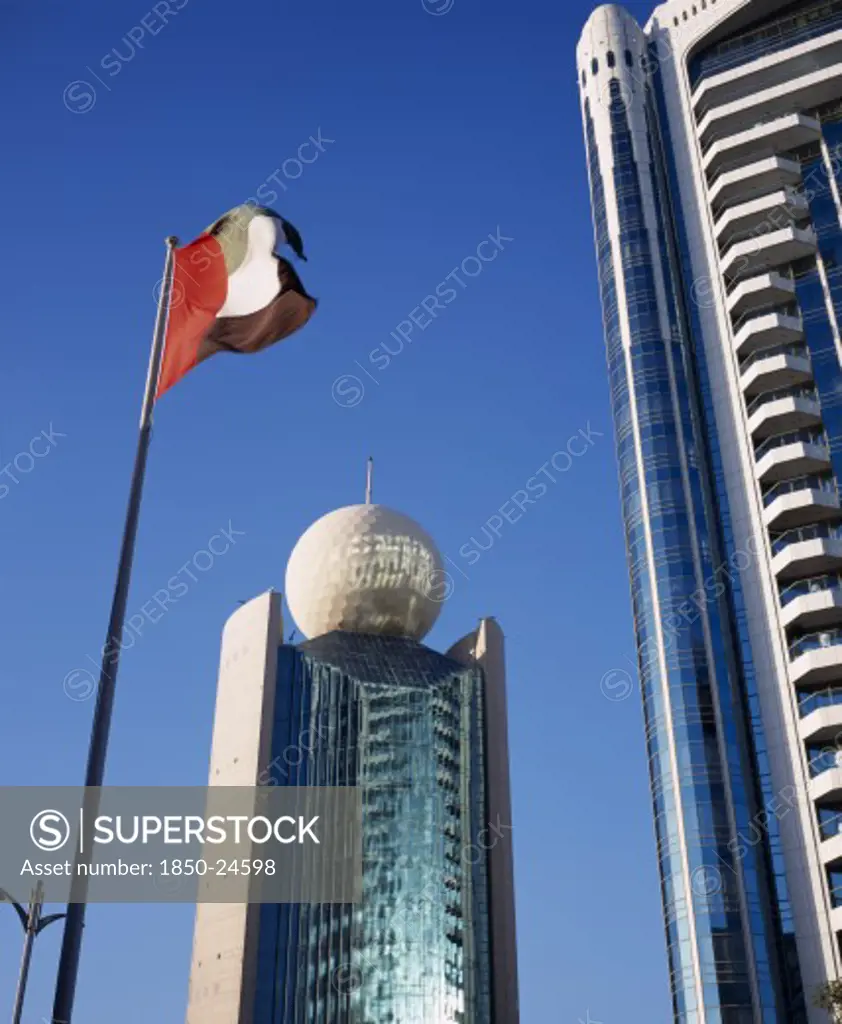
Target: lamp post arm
(22, 914)
(42, 924)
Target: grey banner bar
(184, 844)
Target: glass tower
(714, 149)
(405, 724)
(423, 736)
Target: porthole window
(612, 60)
(695, 12)
(584, 79)
(675, 22)
(629, 59)
(684, 15)
(595, 66)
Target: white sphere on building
(365, 569)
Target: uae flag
(231, 292)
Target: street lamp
(33, 924)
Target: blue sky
(435, 132)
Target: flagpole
(71, 947)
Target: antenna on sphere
(369, 479)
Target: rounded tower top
(609, 29)
(364, 569)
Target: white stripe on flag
(254, 284)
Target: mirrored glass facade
(406, 725)
(719, 926)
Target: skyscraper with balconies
(423, 735)
(714, 147)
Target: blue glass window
(678, 531)
(406, 725)
(800, 22)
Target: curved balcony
(825, 784)
(804, 92)
(768, 330)
(816, 658)
(776, 412)
(801, 46)
(831, 851)
(814, 603)
(783, 207)
(776, 249)
(775, 136)
(784, 456)
(761, 292)
(781, 366)
(802, 500)
(753, 180)
(821, 716)
(807, 551)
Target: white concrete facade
(223, 966)
(486, 647)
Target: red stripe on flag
(200, 287)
